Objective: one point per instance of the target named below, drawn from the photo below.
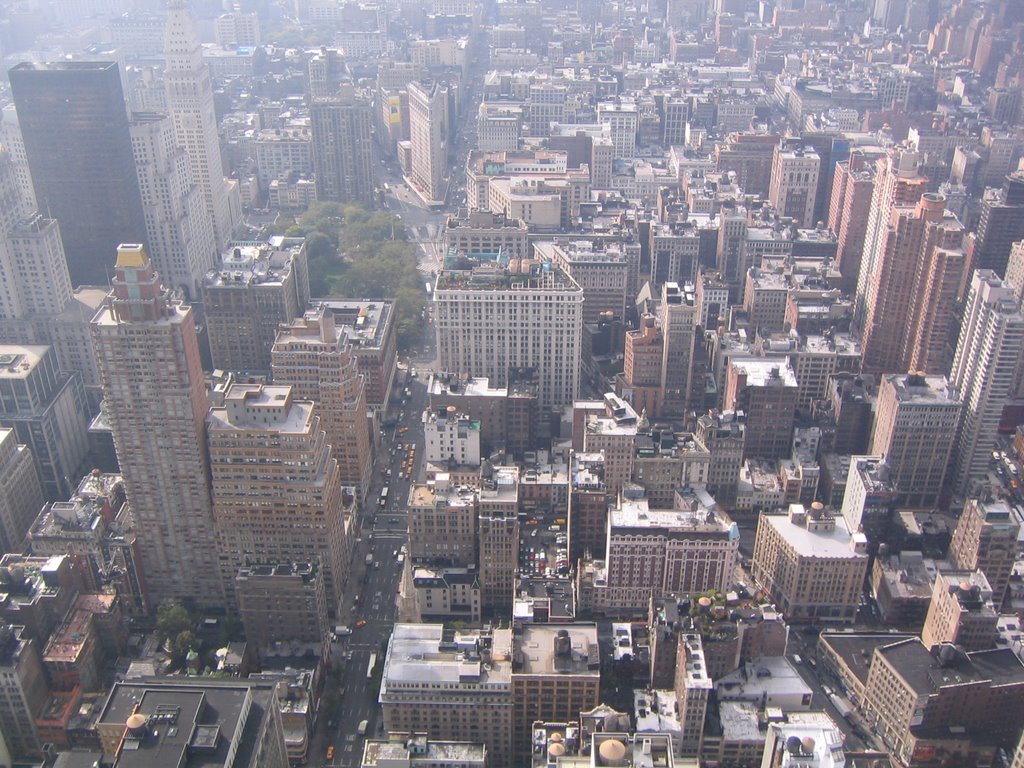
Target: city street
(372, 590)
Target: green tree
(183, 643)
(171, 620)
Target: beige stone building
(455, 686)
(985, 539)
(914, 696)
(915, 420)
(961, 611)
(442, 523)
(810, 564)
(556, 674)
(498, 531)
(21, 495)
(440, 594)
(277, 494)
(314, 356)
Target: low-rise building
(556, 674)
(920, 700)
(441, 594)
(283, 602)
(442, 523)
(961, 611)
(417, 750)
(452, 686)
(810, 564)
(804, 740)
(451, 438)
(191, 721)
(692, 547)
(902, 587)
(483, 232)
(768, 681)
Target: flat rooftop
(421, 656)
(763, 372)
(535, 650)
(427, 751)
(635, 513)
(926, 674)
(830, 542)
(17, 361)
(924, 390)
(189, 725)
(857, 649)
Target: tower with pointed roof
(154, 398)
(190, 103)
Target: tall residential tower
(155, 402)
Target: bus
(370, 666)
(383, 496)
(430, 288)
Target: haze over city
(512, 383)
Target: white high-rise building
(491, 320)
(984, 370)
(34, 275)
(793, 190)
(182, 243)
(190, 102)
(428, 134)
(10, 138)
(155, 401)
(623, 121)
(41, 277)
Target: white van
(363, 725)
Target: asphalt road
(371, 592)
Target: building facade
(277, 493)
(491, 320)
(75, 129)
(810, 564)
(314, 356)
(155, 402)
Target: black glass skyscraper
(74, 124)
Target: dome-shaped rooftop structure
(612, 752)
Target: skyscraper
(913, 287)
(1000, 225)
(74, 124)
(984, 367)
(794, 185)
(679, 331)
(489, 325)
(342, 154)
(294, 512)
(428, 134)
(897, 183)
(190, 102)
(36, 280)
(852, 189)
(181, 238)
(155, 402)
(314, 355)
(916, 415)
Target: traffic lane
(820, 700)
